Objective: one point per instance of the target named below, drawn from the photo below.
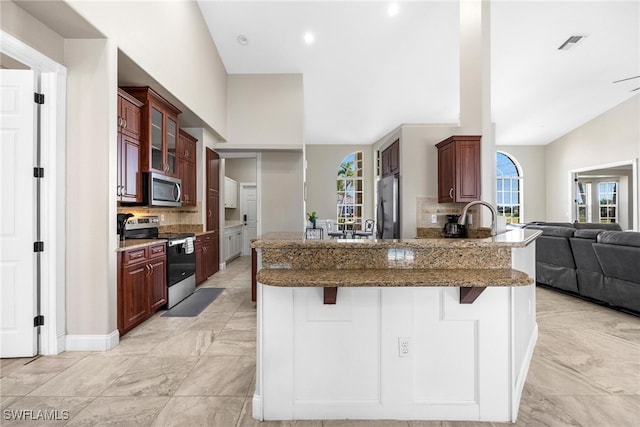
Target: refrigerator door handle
(381, 219)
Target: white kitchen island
(435, 329)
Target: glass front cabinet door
(160, 131)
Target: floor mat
(193, 305)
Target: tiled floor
(201, 371)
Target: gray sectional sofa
(596, 261)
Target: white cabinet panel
(230, 193)
(232, 242)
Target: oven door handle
(175, 242)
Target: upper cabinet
(129, 183)
(391, 159)
(230, 193)
(187, 167)
(459, 169)
(159, 131)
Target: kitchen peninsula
(431, 329)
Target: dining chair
(332, 230)
(367, 230)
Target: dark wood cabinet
(254, 272)
(158, 132)
(213, 206)
(187, 167)
(142, 285)
(129, 182)
(459, 169)
(391, 159)
(207, 259)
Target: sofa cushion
(623, 238)
(587, 233)
(588, 271)
(602, 226)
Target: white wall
(282, 198)
(90, 178)
(322, 168)
(25, 27)
(265, 111)
(171, 42)
(531, 159)
(609, 138)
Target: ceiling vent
(571, 42)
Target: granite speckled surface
(289, 260)
(510, 239)
(389, 277)
(181, 228)
(137, 243)
(379, 257)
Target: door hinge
(38, 98)
(38, 246)
(38, 320)
(38, 172)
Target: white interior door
(249, 200)
(17, 214)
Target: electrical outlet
(434, 219)
(161, 218)
(403, 346)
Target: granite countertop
(391, 278)
(509, 239)
(281, 236)
(137, 243)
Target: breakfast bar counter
(424, 329)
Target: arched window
(509, 188)
(350, 192)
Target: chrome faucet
(494, 214)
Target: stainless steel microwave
(162, 190)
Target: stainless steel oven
(181, 266)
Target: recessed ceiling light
(308, 38)
(392, 10)
(243, 40)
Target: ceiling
(367, 72)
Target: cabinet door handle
(148, 270)
(209, 212)
(119, 121)
(451, 193)
(125, 123)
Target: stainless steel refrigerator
(388, 215)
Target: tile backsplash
(426, 207)
(168, 216)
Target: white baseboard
(92, 342)
(522, 375)
(61, 343)
(257, 407)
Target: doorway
(244, 168)
(249, 212)
(606, 193)
(46, 279)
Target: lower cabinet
(206, 248)
(142, 284)
(232, 243)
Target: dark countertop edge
(395, 278)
